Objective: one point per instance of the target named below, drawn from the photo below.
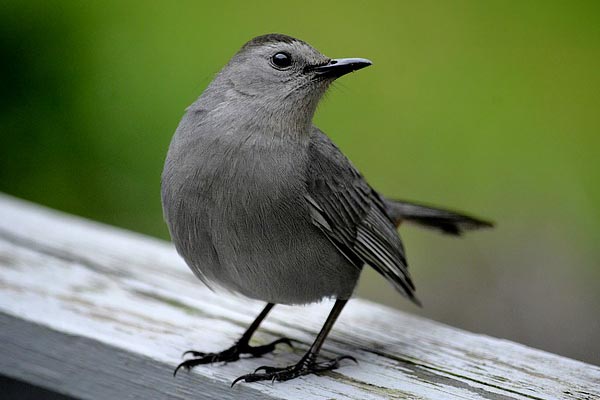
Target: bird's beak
(341, 66)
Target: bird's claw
(193, 353)
(231, 354)
(304, 367)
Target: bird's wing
(352, 215)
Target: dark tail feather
(447, 221)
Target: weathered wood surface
(101, 313)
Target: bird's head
(279, 72)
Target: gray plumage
(261, 202)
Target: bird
(260, 202)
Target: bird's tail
(447, 221)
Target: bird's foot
(231, 354)
(307, 365)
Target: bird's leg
(308, 363)
(233, 353)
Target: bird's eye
(281, 60)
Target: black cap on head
(272, 38)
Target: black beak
(341, 66)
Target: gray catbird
(260, 202)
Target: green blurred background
(487, 106)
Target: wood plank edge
(88, 369)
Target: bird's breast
(239, 218)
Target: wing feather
(352, 215)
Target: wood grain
(97, 312)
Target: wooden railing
(95, 312)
